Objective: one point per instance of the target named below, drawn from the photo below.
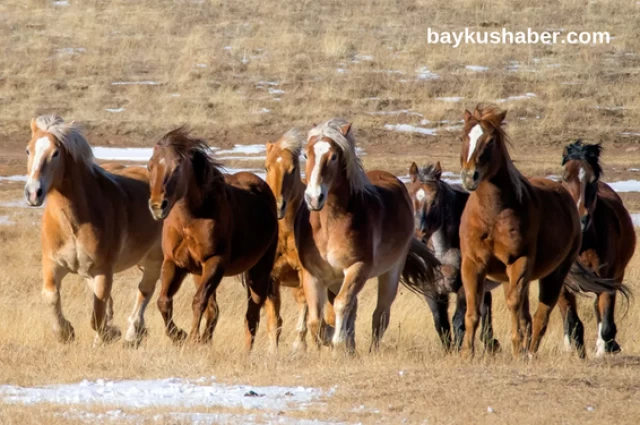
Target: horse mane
(292, 141)
(493, 115)
(205, 168)
(584, 152)
(71, 137)
(358, 181)
(427, 173)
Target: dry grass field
(244, 72)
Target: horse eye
(55, 154)
(304, 155)
(293, 170)
(334, 156)
(27, 151)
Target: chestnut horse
(438, 209)
(357, 226)
(608, 242)
(214, 226)
(514, 230)
(95, 223)
(283, 177)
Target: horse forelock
(358, 181)
(71, 138)
(579, 151)
(292, 141)
(428, 173)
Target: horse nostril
(39, 193)
(475, 175)
(320, 197)
(164, 204)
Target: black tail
(583, 279)
(421, 270)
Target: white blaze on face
(314, 188)
(582, 174)
(420, 195)
(42, 145)
(475, 134)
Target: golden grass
(213, 61)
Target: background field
(243, 73)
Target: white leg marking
(600, 343)
(567, 343)
(314, 188)
(475, 134)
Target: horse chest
(187, 252)
(76, 258)
(443, 251)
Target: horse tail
(421, 270)
(582, 279)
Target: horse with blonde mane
(214, 225)
(515, 230)
(95, 223)
(608, 243)
(283, 177)
(357, 226)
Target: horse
(608, 243)
(514, 230)
(95, 223)
(214, 225)
(356, 226)
(438, 208)
(282, 166)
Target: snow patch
(115, 110)
(625, 185)
(135, 83)
(450, 99)
(476, 68)
(122, 154)
(425, 74)
(4, 220)
(406, 128)
(523, 97)
(635, 218)
(13, 178)
(398, 112)
(243, 149)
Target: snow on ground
(477, 68)
(122, 154)
(425, 74)
(115, 110)
(135, 83)
(4, 220)
(635, 218)
(244, 150)
(406, 128)
(625, 185)
(398, 112)
(13, 178)
(523, 97)
(450, 99)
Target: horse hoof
(110, 334)
(614, 348)
(178, 336)
(66, 334)
(130, 345)
(493, 347)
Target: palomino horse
(608, 242)
(514, 230)
(357, 226)
(283, 177)
(438, 209)
(214, 226)
(95, 223)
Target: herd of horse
(327, 234)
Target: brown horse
(357, 226)
(438, 209)
(283, 177)
(214, 226)
(514, 230)
(608, 242)
(95, 223)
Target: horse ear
(345, 129)
(437, 170)
(565, 153)
(34, 126)
(467, 115)
(413, 171)
(502, 115)
(269, 146)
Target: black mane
(578, 151)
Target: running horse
(608, 243)
(283, 177)
(95, 223)
(215, 225)
(515, 230)
(357, 226)
(438, 209)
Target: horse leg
(102, 285)
(207, 284)
(573, 327)
(351, 328)
(439, 307)
(525, 321)
(354, 279)
(486, 333)
(458, 318)
(328, 326)
(52, 278)
(300, 343)
(605, 308)
(387, 291)
(150, 275)
(274, 320)
(315, 294)
(211, 318)
(516, 291)
(473, 281)
(263, 290)
(171, 278)
(550, 288)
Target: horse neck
(197, 199)
(78, 187)
(505, 186)
(339, 197)
(295, 201)
(446, 235)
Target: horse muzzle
(470, 180)
(159, 211)
(282, 209)
(33, 194)
(314, 203)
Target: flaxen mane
(584, 152)
(70, 136)
(358, 181)
(491, 114)
(205, 168)
(292, 141)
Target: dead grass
(213, 62)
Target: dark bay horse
(608, 242)
(357, 226)
(514, 230)
(214, 226)
(438, 209)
